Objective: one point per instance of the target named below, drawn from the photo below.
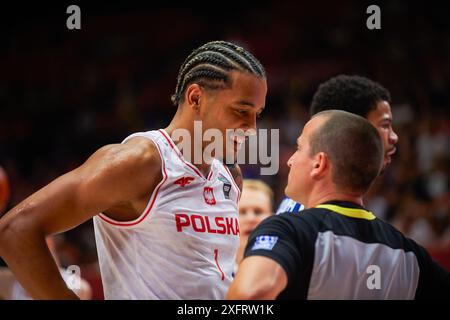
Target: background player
(361, 96)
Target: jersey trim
(349, 212)
(150, 204)
(175, 149)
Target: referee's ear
(321, 165)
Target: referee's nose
(393, 137)
(289, 162)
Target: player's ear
(193, 96)
(320, 165)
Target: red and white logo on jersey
(183, 181)
(208, 194)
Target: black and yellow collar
(347, 209)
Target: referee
(335, 249)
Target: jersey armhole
(153, 196)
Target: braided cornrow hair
(210, 64)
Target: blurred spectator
(255, 205)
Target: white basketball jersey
(183, 245)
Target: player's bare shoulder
(142, 153)
(145, 161)
(122, 174)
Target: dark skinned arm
(115, 176)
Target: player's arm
(114, 176)
(258, 278)
(272, 258)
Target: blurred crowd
(64, 94)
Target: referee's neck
(356, 198)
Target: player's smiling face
(236, 107)
(381, 119)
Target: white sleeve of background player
(289, 205)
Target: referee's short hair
(353, 146)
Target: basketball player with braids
(165, 228)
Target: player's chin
(387, 162)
